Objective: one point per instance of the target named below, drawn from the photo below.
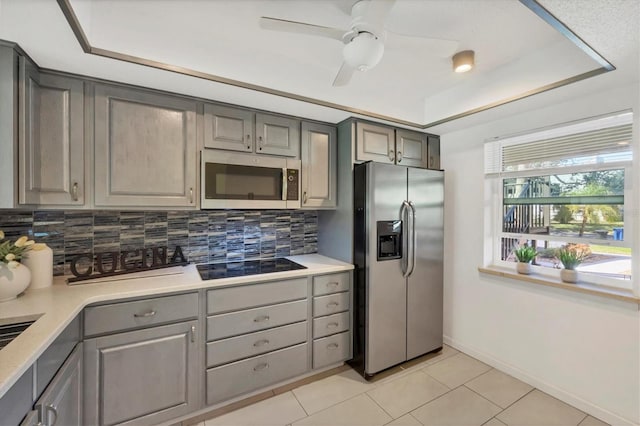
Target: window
(565, 187)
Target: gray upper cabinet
(375, 143)
(277, 135)
(145, 148)
(434, 152)
(411, 148)
(51, 138)
(142, 377)
(319, 166)
(238, 129)
(61, 403)
(228, 128)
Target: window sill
(607, 292)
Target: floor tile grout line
(381, 407)
(299, 403)
(485, 398)
(416, 419)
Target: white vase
(569, 276)
(13, 281)
(523, 268)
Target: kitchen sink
(11, 330)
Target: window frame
(494, 187)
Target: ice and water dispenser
(389, 239)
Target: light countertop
(56, 306)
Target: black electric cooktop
(212, 271)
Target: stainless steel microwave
(248, 181)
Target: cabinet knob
(332, 305)
(190, 195)
(248, 142)
(332, 325)
(261, 343)
(399, 156)
(260, 143)
(145, 315)
(333, 346)
(392, 155)
(304, 197)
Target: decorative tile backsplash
(204, 236)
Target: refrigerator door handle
(404, 217)
(413, 238)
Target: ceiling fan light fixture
(363, 52)
(463, 61)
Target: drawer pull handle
(54, 411)
(333, 346)
(261, 343)
(332, 325)
(332, 305)
(145, 315)
(332, 284)
(263, 318)
(261, 367)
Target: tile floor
(448, 388)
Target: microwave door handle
(284, 184)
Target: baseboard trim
(544, 386)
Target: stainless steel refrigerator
(398, 251)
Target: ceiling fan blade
(344, 75)
(275, 24)
(378, 10)
(428, 46)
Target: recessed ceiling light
(463, 61)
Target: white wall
(582, 349)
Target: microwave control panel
(293, 180)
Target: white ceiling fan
(365, 40)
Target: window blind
(602, 140)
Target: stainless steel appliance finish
(248, 181)
(398, 296)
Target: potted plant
(14, 277)
(570, 259)
(525, 254)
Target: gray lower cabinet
(145, 148)
(319, 166)
(62, 401)
(142, 377)
(257, 335)
(51, 138)
(331, 319)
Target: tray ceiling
(221, 53)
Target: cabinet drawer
(235, 348)
(334, 283)
(234, 323)
(331, 324)
(240, 377)
(249, 296)
(140, 313)
(330, 350)
(331, 304)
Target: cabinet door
(51, 136)
(228, 128)
(434, 152)
(375, 143)
(61, 403)
(411, 148)
(277, 135)
(145, 149)
(142, 377)
(319, 166)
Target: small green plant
(570, 258)
(525, 254)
